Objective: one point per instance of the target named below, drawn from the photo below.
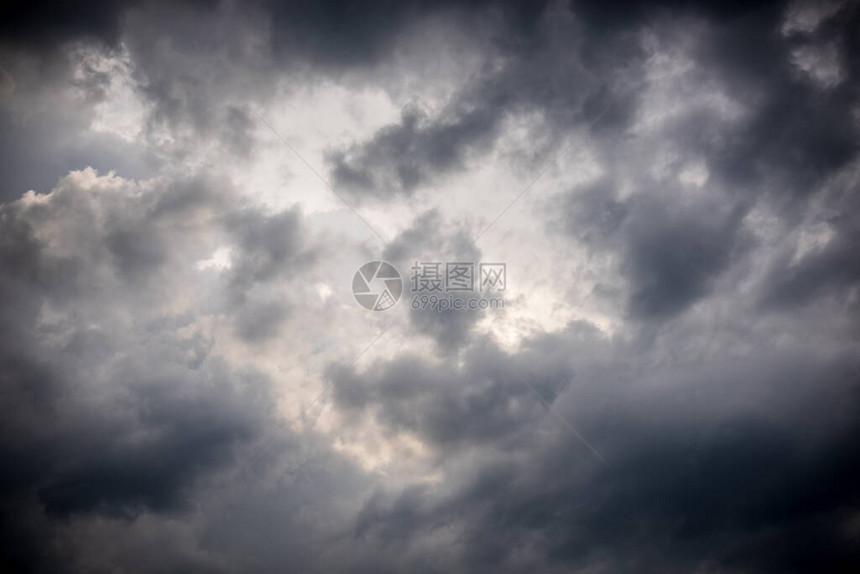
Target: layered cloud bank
(188, 385)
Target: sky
(666, 380)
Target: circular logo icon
(377, 286)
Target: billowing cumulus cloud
(189, 188)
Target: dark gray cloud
(402, 157)
(673, 257)
(483, 402)
(154, 321)
(672, 248)
(238, 51)
(340, 34)
(829, 272)
(833, 272)
(738, 467)
(46, 26)
(542, 72)
(267, 245)
(108, 419)
(431, 239)
(267, 249)
(796, 136)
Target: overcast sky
(187, 383)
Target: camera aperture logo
(377, 286)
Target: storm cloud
(187, 383)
